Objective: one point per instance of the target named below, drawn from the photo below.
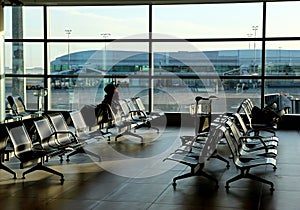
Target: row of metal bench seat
(38, 139)
(131, 116)
(248, 147)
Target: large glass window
(113, 57)
(79, 74)
(196, 49)
(283, 58)
(65, 57)
(106, 22)
(222, 58)
(24, 22)
(208, 21)
(28, 88)
(281, 19)
(24, 58)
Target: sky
(169, 21)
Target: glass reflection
(24, 58)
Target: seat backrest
(234, 129)
(124, 108)
(233, 147)
(241, 122)
(135, 112)
(244, 109)
(17, 104)
(78, 122)
(20, 138)
(214, 137)
(46, 133)
(140, 104)
(58, 122)
(245, 106)
(132, 106)
(234, 137)
(63, 133)
(249, 103)
(3, 138)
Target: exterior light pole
(104, 35)
(249, 36)
(68, 32)
(254, 28)
(279, 63)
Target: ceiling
(117, 2)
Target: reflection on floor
(133, 176)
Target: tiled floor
(134, 176)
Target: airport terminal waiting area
(94, 159)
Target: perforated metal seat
(25, 151)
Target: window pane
(60, 96)
(64, 98)
(133, 86)
(16, 86)
(236, 90)
(94, 22)
(208, 21)
(282, 58)
(285, 93)
(223, 58)
(174, 94)
(24, 58)
(288, 87)
(99, 58)
(23, 22)
(66, 56)
(68, 93)
(281, 17)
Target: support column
(2, 73)
(18, 83)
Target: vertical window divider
(45, 41)
(151, 65)
(263, 56)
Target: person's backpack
(103, 113)
(264, 116)
(88, 113)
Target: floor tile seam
(120, 187)
(286, 191)
(95, 202)
(159, 195)
(289, 176)
(121, 202)
(287, 163)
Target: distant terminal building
(113, 61)
(223, 62)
